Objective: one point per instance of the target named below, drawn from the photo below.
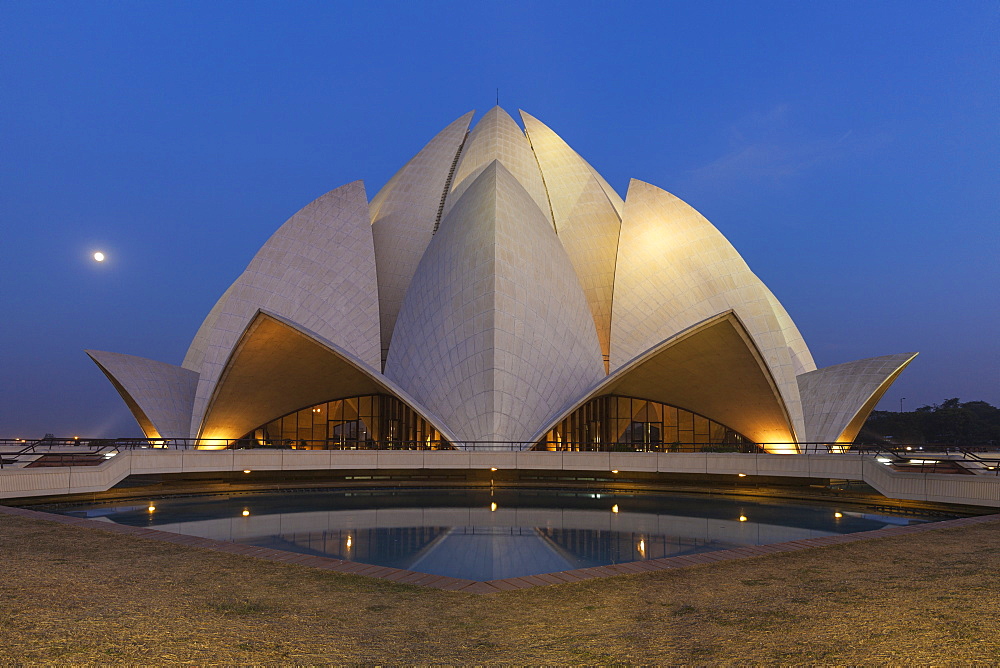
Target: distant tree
(973, 423)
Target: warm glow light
(246, 470)
(151, 508)
(614, 470)
(837, 515)
(642, 547)
(246, 513)
(349, 542)
(614, 508)
(493, 506)
(743, 518)
(76, 438)
(493, 468)
(99, 256)
(742, 475)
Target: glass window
(356, 422)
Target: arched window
(628, 424)
(366, 422)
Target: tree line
(953, 422)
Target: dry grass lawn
(70, 595)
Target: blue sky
(848, 150)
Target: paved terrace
(23, 481)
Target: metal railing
(17, 452)
(924, 458)
(51, 451)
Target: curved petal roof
(318, 270)
(802, 359)
(159, 395)
(674, 270)
(495, 334)
(278, 367)
(713, 368)
(497, 137)
(500, 282)
(836, 400)
(585, 219)
(404, 215)
(553, 150)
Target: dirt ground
(71, 595)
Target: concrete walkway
(976, 490)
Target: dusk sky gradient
(848, 150)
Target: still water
(481, 535)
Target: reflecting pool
(483, 535)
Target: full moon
(99, 256)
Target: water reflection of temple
(593, 547)
(489, 552)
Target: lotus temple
(498, 294)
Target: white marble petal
(279, 366)
(585, 219)
(712, 368)
(404, 215)
(497, 137)
(317, 270)
(495, 335)
(836, 400)
(802, 359)
(675, 269)
(160, 395)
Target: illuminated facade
(498, 291)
